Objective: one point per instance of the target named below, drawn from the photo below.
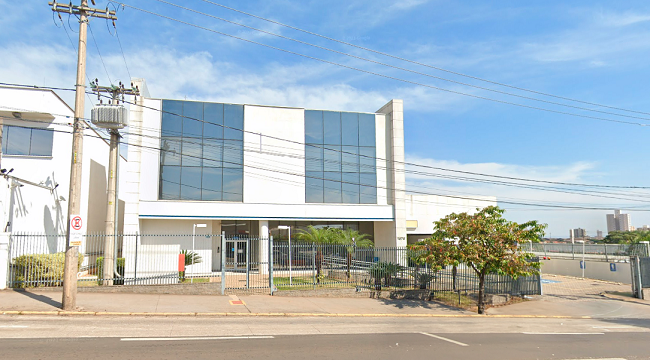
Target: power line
(423, 64)
(376, 158)
(98, 52)
(275, 170)
(384, 75)
(397, 67)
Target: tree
(351, 239)
(318, 236)
(626, 237)
(484, 241)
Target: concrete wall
(426, 209)
(595, 270)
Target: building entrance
(236, 254)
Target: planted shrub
(100, 270)
(40, 269)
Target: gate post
(4, 259)
(223, 263)
(248, 252)
(270, 259)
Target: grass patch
(450, 298)
(197, 280)
(302, 283)
(622, 293)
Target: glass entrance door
(236, 255)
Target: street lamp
(584, 264)
(192, 255)
(285, 227)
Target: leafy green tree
(351, 239)
(626, 237)
(484, 241)
(317, 236)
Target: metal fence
(249, 263)
(604, 252)
(322, 266)
(640, 267)
(139, 259)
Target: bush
(100, 270)
(41, 269)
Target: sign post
(77, 229)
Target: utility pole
(69, 300)
(112, 117)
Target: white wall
(594, 270)
(270, 162)
(429, 208)
(33, 209)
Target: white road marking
(445, 339)
(198, 338)
(613, 327)
(558, 333)
(13, 326)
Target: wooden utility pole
(109, 265)
(83, 12)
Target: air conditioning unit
(109, 116)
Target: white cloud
(622, 19)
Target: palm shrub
(385, 271)
(191, 258)
(351, 239)
(317, 236)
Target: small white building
(36, 159)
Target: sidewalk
(12, 302)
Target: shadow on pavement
(42, 298)
(644, 323)
(403, 304)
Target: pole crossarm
(114, 90)
(78, 10)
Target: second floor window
(27, 141)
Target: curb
(230, 314)
(625, 299)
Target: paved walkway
(252, 304)
(570, 296)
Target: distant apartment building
(578, 233)
(618, 222)
(599, 234)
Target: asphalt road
(629, 345)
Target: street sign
(583, 265)
(77, 229)
(612, 267)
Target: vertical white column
(394, 111)
(4, 259)
(264, 246)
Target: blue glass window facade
(27, 141)
(202, 151)
(340, 160)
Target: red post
(181, 262)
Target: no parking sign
(77, 227)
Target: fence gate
(246, 263)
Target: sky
(592, 51)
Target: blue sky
(595, 51)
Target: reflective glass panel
(314, 186)
(350, 188)
(350, 128)
(350, 159)
(170, 182)
(211, 184)
(192, 119)
(368, 188)
(233, 154)
(172, 123)
(367, 130)
(212, 150)
(192, 152)
(233, 118)
(18, 140)
(233, 184)
(41, 144)
(313, 158)
(170, 153)
(332, 157)
(190, 183)
(332, 127)
(367, 159)
(313, 127)
(332, 187)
